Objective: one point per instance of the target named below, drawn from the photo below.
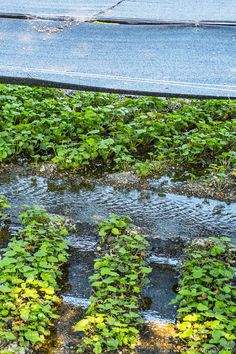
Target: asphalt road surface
(186, 50)
(169, 10)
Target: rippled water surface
(168, 216)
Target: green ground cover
(206, 320)
(87, 131)
(29, 273)
(112, 320)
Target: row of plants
(112, 320)
(4, 205)
(144, 134)
(206, 321)
(30, 269)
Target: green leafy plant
(29, 274)
(148, 135)
(3, 206)
(206, 315)
(112, 320)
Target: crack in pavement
(91, 18)
(29, 16)
(103, 12)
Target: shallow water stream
(169, 221)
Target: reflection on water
(169, 216)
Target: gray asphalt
(158, 60)
(172, 10)
(81, 9)
(175, 10)
(195, 60)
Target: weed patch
(29, 274)
(117, 133)
(206, 297)
(4, 205)
(112, 319)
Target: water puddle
(163, 216)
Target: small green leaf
(115, 231)
(32, 336)
(24, 314)
(9, 336)
(202, 307)
(5, 289)
(82, 325)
